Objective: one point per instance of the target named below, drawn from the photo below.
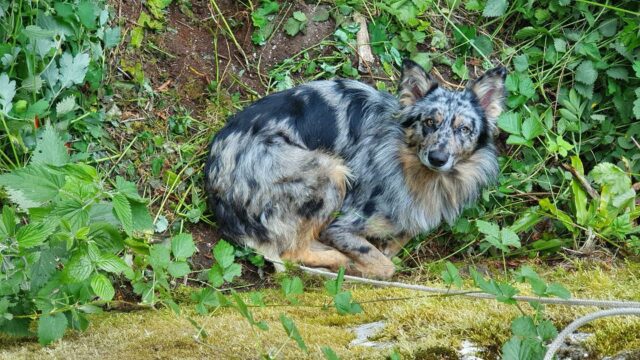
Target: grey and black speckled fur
(336, 173)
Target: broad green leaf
(487, 228)
(483, 45)
(291, 287)
(300, 16)
(344, 305)
(178, 269)
(159, 256)
(7, 92)
(50, 149)
(521, 62)
(9, 221)
(618, 73)
(329, 354)
(495, 8)
(333, 286)
(51, 328)
(292, 331)
(292, 27)
(73, 69)
(215, 276)
(101, 285)
(523, 326)
(557, 290)
(122, 209)
(509, 238)
(78, 269)
(321, 14)
(451, 275)
(586, 73)
(112, 37)
(87, 14)
(546, 330)
(532, 128)
(31, 186)
(66, 105)
(32, 235)
(182, 246)
(223, 252)
(112, 263)
(231, 272)
(560, 45)
(579, 195)
(510, 122)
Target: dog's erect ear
(415, 83)
(489, 89)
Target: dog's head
(446, 127)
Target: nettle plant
(52, 55)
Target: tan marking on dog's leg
(319, 255)
(393, 246)
(373, 265)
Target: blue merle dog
(336, 173)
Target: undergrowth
(73, 234)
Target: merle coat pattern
(336, 173)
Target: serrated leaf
(32, 83)
(292, 27)
(112, 37)
(32, 186)
(7, 92)
(510, 122)
(523, 326)
(87, 14)
(321, 14)
(51, 328)
(112, 263)
(586, 72)
(618, 73)
(36, 32)
(300, 16)
(344, 305)
(521, 63)
(509, 238)
(487, 228)
(231, 272)
(495, 8)
(292, 331)
(102, 287)
(547, 331)
(223, 252)
(122, 209)
(178, 269)
(50, 149)
(532, 128)
(557, 290)
(78, 269)
(73, 69)
(636, 104)
(560, 45)
(32, 235)
(159, 256)
(451, 275)
(584, 89)
(182, 246)
(66, 105)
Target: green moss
(418, 325)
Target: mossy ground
(418, 325)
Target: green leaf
(159, 256)
(333, 286)
(292, 331)
(483, 45)
(87, 14)
(292, 27)
(487, 228)
(532, 128)
(300, 16)
(179, 269)
(32, 235)
(73, 69)
(9, 221)
(586, 73)
(560, 45)
(495, 8)
(557, 290)
(32, 186)
(636, 104)
(182, 246)
(51, 328)
(112, 263)
(510, 122)
(451, 275)
(50, 149)
(584, 89)
(460, 68)
(7, 92)
(321, 14)
(122, 209)
(521, 63)
(78, 269)
(223, 252)
(523, 326)
(344, 305)
(291, 287)
(102, 287)
(618, 73)
(231, 272)
(66, 105)
(509, 238)
(329, 354)
(546, 330)
(112, 37)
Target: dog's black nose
(438, 158)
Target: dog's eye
(465, 130)
(429, 122)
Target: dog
(334, 173)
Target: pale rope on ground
(617, 307)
